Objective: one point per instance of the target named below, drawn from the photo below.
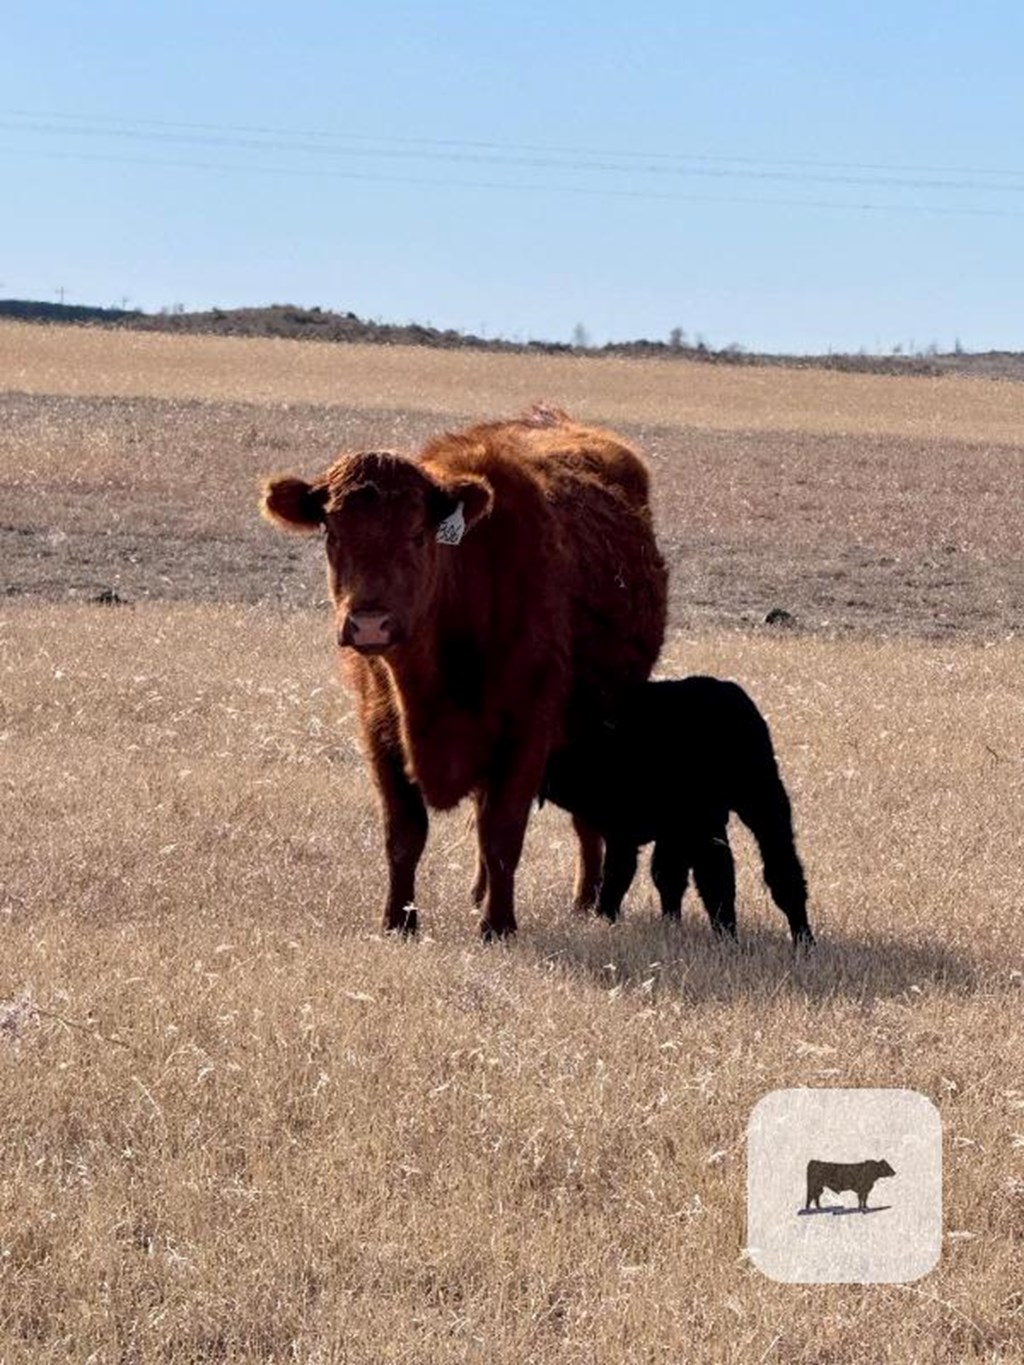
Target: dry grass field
(238, 1124)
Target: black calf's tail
(762, 803)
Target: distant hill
(319, 324)
(31, 310)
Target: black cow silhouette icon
(839, 1176)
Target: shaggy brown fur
(473, 660)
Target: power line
(484, 152)
(523, 162)
(519, 187)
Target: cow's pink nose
(366, 630)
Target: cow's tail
(762, 803)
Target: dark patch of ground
(156, 500)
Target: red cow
(489, 594)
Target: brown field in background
(237, 1124)
(83, 361)
(861, 504)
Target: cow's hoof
(403, 924)
(491, 933)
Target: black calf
(674, 761)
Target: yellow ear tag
(453, 528)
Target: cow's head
(388, 523)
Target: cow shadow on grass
(685, 961)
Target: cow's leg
(405, 834)
(814, 1189)
(402, 807)
(479, 890)
(670, 871)
(765, 810)
(501, 827)
(503, 809)
(589, 860)
(715, 875)
(620, 857)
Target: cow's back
(598, 490)
(572, 509)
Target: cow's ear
(293, 503)
(459, 504)
(476, 496)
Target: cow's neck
(445, 675)
(440, 684)
(418, 679)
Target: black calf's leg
(715, 876)
(765, 810)
(589, 857)
(784, 877)
(670, 871)
(619, 867)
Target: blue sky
(789, 177)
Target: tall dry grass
(238, 1124)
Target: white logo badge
(453, 528)
(844, 1186)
